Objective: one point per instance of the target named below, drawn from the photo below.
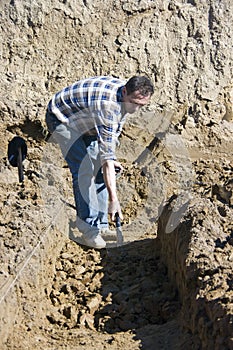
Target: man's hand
(118, 167)
(113, 208)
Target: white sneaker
(95, 242)
(108, 235)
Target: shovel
(119, 234)
(17, 152)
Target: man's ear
(124, 91)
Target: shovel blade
(120, 238)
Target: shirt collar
(119, 94)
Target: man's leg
(102, 195)
(81, 166)
(101, 190)
(79, 159)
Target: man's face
(134, 101)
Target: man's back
(85, 96)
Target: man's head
(137, 93)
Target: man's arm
(110, 182)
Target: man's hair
(139, 83)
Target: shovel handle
(20, 165)
(118, 220)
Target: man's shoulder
(102, 80)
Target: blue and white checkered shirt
(93, 104)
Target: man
(86, 119)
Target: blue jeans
(90, 193)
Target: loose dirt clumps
(119, 296)
(103, 290)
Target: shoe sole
(92, 245)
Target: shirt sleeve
(108, 128)
(120, 126)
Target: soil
(69, 296)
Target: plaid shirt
(93, 104)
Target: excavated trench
(115, 298)
(69, 296)
(164, 289)
(111, 291)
